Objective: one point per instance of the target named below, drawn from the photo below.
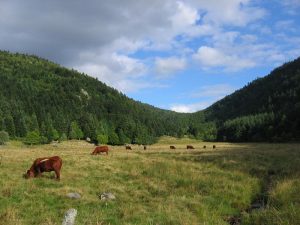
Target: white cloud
(169, 66)
(185, 16)
(189, 108)
(249, 38)
(213, 57)
(291, 7)
(116, 70)
(291, 3)
(216, 91)
(206, 96)
(281, 24)
(230, 12)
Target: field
(157, 186)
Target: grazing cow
(172, 147)
(190, 147)
(204, 146)
(100, 149)
(46, 164)
(214, 146)
(127, 147)
(145, 147)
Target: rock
(74, 195)
(257, 205)
(69, 218)
(107, 196)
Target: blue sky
(180, 55)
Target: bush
(32, 138)
(4, 137)
(113, 139)
(63, 137)
(102, 139)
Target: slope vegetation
(266, 109)
(39, 96)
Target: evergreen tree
(75, 131)
(102, 139)
(32, 138)
(9, 125)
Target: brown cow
(145, 147)
(127, 147)
(190, 147)
(214, 146)
(172, 147)
(46, 164)
(204, 146)
(100, 149)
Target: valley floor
(157, 186)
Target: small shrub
(4, 137)
(63, 137)
(113, 139)
(32, 138)
(102, 139)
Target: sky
(180, 55)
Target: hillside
(267, 109)
(38, 95)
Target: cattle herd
(54, 163)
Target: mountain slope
(38, 95)
(266, 109)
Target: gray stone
(74, 195)
(69, 218)
(107, 196)
(256, 206)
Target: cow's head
(29, 174)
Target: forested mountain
(40, 99)
(267, 109)
(39, 96)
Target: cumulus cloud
(190, 108)
(291, 3)
(216, 91)
(205, 96)
(230, 12)
(185, 16)
(61, 31)
(116, 70)
(213, 57)
(96, 38)
(168, 66)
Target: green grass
(157, 186)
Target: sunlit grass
(157, 186)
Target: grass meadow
(154, 187)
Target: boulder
(69, 218)
(74, 195)
(106, 196)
